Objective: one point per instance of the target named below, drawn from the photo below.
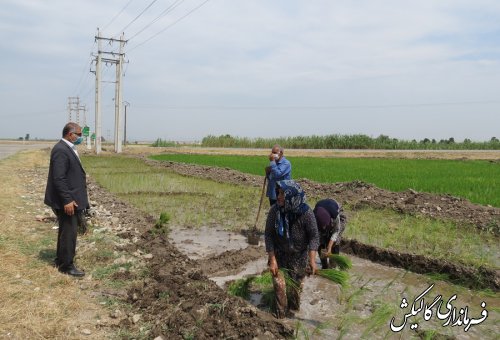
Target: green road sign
(93, 136)
(86, 131)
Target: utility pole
(98, 126)
(85, 127)
(117, 59)
(126, 104)
(73, 106)
(82, 108)
(118, 98)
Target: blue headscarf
(295, 206)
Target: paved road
(9, 148)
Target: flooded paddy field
(374, 296)
(189, 270)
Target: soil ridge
(358, 194)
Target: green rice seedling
(161, 226)
(164, 218)
(307, 334)
(490, 293)
(355, 296)
(428, 334)
(334, 275)
(290, 283)
(438, 276)
(379, 317)
(241, 287)
(265, 282)
(472, 179)
(155, 190)
(429, 237)
(343, 262)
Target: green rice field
(475, 180)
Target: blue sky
(407, 69)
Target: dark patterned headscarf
(295, 206)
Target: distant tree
(494, 140)
(467, 141)
(433, 141)
(383, 138)
(27, 137)
(425, 141)
(451, 140)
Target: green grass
(191, 202)
(474, 180)
(423, 236)
(210, 203)
(106, 272)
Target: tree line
(358, 141)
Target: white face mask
(276, 155)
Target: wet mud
(329, 311)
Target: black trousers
(66, 239)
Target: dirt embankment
(176, 298)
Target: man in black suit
(66, 194)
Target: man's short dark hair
(70, 127)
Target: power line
(137, 17)
(166, 28)
(169, 9)
(84, 71)
(311, 107)
(117, 15)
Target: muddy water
(366, 307)
(206, 242)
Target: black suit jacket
(66, 181)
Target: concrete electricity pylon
(82, 108)
(73, 107)
(112, 57)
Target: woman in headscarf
(291, 239)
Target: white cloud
(369, 56)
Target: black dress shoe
(73, 272)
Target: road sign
(92, 136)
(86, 131)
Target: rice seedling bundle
(343, 262)
(334, 275)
